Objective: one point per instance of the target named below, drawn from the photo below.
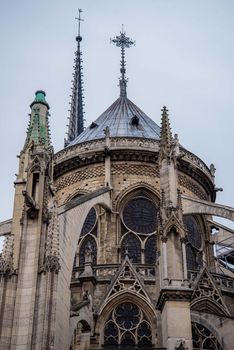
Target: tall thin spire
(76, 119)
(123, 42)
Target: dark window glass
(131, 246)
(140, 215)
(88, 246)
(150, 251)
(128, 328)
(191, 258)
(89, 222)
(194, 232)
(127, 315)
(203, 338)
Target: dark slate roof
(124, 119)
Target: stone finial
(212, 170)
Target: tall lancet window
(194, 244)
(138, 229)
(88, 238)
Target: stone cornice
(173, 295)
(130, 149)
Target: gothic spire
(123, 42)
(38, 129)
(76, 119)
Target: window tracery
(131, 246)
(140, 215)
(89, 243)
(138, 228)
(87, 239)
(127, 326)
(203, 338)
(89, 223)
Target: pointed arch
(87, 241)
(130, 191)
(127, 297)
(150, 250)
(131, 245)
(207, 305)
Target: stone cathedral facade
(110, 245)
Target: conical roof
(124, 119)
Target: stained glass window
(203, 338)
(150, 250)
(194, 231)
(89, 222)
(191, 258)
(140, 215)
(88, 243)
(127, 327)
(131, 246)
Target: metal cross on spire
(123, 42)
(79, 19)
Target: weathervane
(123, 42)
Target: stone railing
(100, 145)
(223, 282)
(145, 272)
(191, 158)
(129, 143)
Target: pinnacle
(166, 135)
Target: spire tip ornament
(76, 119)
(123, 42)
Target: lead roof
(124, 119)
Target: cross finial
(79, 19)
(123, 42)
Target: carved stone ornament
(52, 264)
(31, 206)
(181, 345)
(6, 258)
(127, 280)
(206, 289)
(52, 254)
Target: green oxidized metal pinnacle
(40, 98)
(38, 129)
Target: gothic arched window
(194, 231)
(128, 327)
(203, 338)
(132, 247)
(140, 215)
(88, 245)
(139, 218)
(150, 250)
(194, 244)
(90, 223)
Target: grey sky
(184, 59)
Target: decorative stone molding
(79, 175)
(172, 294)
(51, 263)
(6, 258)
(192, 186)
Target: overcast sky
(183, 58)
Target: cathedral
(111, 242)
